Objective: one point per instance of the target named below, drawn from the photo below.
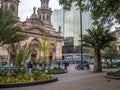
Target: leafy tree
(110, 53)
(102, 11)
(10, 33)
(98, 38)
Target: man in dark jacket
(66, 64)
(30, 66)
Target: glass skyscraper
(69, 21)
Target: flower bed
(22, 76)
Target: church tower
(44, 12)
(11, 5)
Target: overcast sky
(26, 7)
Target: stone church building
(36, 26)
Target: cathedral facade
(35, 27)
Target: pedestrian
(59, 64)
(35, 64)
(66, 65)
(49, 65)
(30, 66)
(40, 64)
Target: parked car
(115, 62)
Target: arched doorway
(52, 51)
(34, 55)
(50, 57)
(34, 45)
(12, 56)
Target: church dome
(33, 16)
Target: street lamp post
(59, 41)
(81, 38)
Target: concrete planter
(21, 84)
(112, 77)
(56, 72)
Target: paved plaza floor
(77, 80)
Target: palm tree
(10, 33)
(6, 19)
(22, 55)
(44, 47)
(98, 38)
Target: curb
(112, 77)
(57, 72)
(22, 84)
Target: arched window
(48, 18)
(44, 2)
(12, 8)
(40, 16)
(43, 17)
(6, 7)
(34, 43)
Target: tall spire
(44, 3)
(34, 9)
(33, 16)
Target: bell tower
(44, 12)
(11, 5)
(44, 3)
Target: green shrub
(3, 73)
(116, 73)
(55, 70)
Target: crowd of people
(42, 64)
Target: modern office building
(69, 23)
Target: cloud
(26, 7)
(54, 4)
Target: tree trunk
(106, 62)
(97, 60)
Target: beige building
(35, 27)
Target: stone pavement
(77, 80)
